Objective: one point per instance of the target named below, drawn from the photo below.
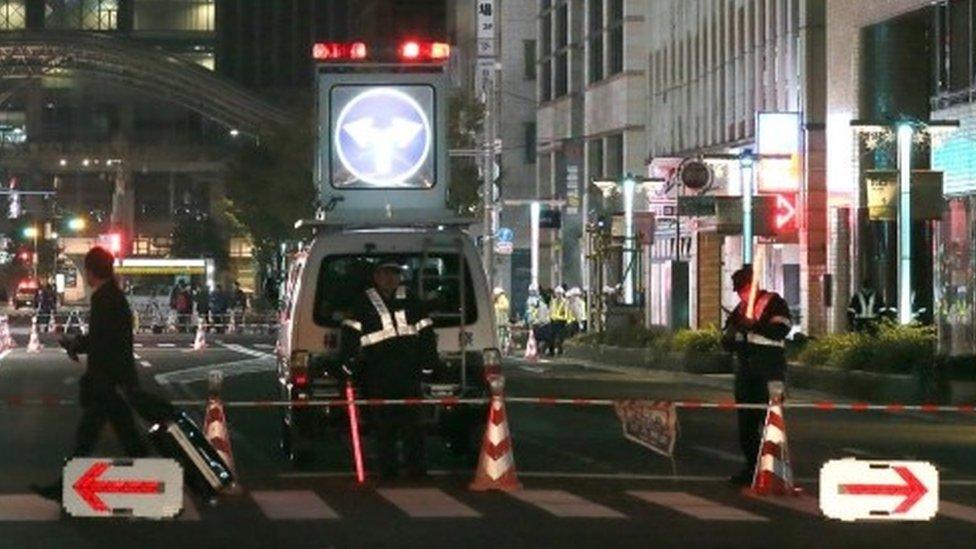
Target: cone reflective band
(774, 473)
(496, 465)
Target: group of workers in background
(212, 307)
(552, 316)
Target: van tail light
(298, 368)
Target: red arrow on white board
(90, 485)
(913, 490)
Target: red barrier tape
(52, 401)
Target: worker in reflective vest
(560, 315)
(865, 309)
(388, 345)
(757, 335)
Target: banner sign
(882, 190)
(652, 424)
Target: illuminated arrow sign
(382, 138)
(149, 488)
(895, 490)
(785, 213)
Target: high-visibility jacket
(502, 310)
(536, 311)
(389, 343)
(559, 310)
(866, 305)
(760, 342)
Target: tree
(200, 236)
(270, 187)
(465, 123)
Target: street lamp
(77, 224)
(32, 232)
(535, 210)
(905, 223)
(629, 184)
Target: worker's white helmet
(499, 291)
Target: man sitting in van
(388, 346)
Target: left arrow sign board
(145, 488)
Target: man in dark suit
(111, 371)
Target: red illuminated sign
(339, 51)
(91, 485)
(784, 220)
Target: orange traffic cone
(6, 341)
(774, 474)
(531, 347)
(200, 342)
(496, 466)
(34, 344)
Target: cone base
(499, 485)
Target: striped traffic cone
(34, 344)
(774, 474)
(6, 341)
(200, 342)
(496, 466)
(531, 347)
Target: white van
(443, 270)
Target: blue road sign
(382, 138)
(505, 234)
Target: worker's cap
(498, 291)
(559, 290)
(390, 263)
(742, 278)
(574, 291)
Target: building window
(561, 86)
(94, 15)
(529, 58)
(530, 143)
(594, 159)
(615, 37)
(595, 51)
(615, 156)
(13, 15)
(545, 51)
(174, 15)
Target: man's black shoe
(51, 491)
(742, 478)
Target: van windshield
(433, 277)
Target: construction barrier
(18, 401)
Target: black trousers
(393, 425)
(101, 406)
(558, 336)
(752, 387)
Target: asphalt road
(584, 484)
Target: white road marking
(697, 507)
(533, 369)
(145, 364)
(245, 351)
(136, 356)
(293, 505)
(720, 454)
(957, 511)
(264, 346)
(427, 503)
(228, 369)
(166, 345)
(564, 504)
(803, 503)
(28, 507)
(137, 345)
(4, 354)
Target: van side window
(434, 278)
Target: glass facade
(13, 15)
(94, 15)
(174, 15)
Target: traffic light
(77, 224)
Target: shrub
(708, 340)
(892, 349)
(630, 337)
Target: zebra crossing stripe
(957, 511)
(28, 508)
(695, 506)
(427, 503)
(293, 505)
(802, 503)
(564, 504)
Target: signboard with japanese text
(652, 424)
(485, 19)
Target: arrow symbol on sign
(785, 211)
(913, 490)
(90, 485)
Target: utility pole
(486, 84)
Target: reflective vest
(867, 305)
(536, 312)
(560, 310)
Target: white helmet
(498, 291)
(574, 291)
(559, 290)
(533, 289)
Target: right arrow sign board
(852, 490)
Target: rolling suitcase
(175, 435)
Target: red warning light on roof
(413, 50)
(339, 51)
